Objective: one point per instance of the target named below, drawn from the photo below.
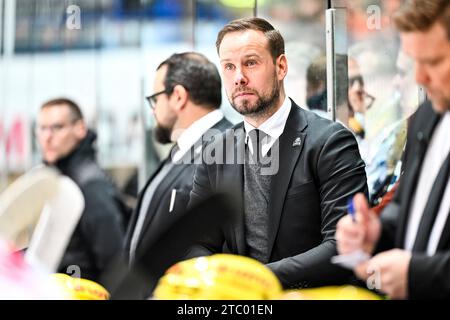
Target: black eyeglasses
(52, 128)
(152, 99)
(368, 100)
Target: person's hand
(388, 272)
(359, 234)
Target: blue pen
(351, 209)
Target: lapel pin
(297, 142)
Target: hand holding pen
(360, 229)
(351, 209)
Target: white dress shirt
(436, 154)
(195, 131)
(272, 127)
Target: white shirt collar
(437, 151)
(195, 131)
(273, 127)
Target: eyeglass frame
(358, 78)
(366, 95)
(54, 128)
(371, 99)
(152, 98)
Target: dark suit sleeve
(339, 174)
(428, 277)
(389, 222)
(201, 190)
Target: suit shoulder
(223, 124)
(423, 113)
(227, 133)
(322, 127)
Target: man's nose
(45, 134)
(421, 75)
(240, 78)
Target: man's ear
(181, 97)
(80, 129)
(281, 66)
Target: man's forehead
(425, 44)
(244, 41)
(160, 75)
(55, 113)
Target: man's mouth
(243, 94)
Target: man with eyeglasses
(67, 144)
(186, 106)
(359, 101)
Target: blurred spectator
(68, 145)
(381, 155)
(316, 85)
(385, 156)
(316, 88)
(359, 100)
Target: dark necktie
(175, 148)
(256, 137)
(432, 207)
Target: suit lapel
(156, 202)
(420, 142)
(134, 217)
(164, 188)
(189, 158)
(409, 182)
(445, 236)
(290, 146)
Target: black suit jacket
(428, 277)
(158, 219)
(319, 169)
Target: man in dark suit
(289, 171)
(186, 106)
(411, 241)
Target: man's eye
(250, 63)
(57, 127)
(228, 66)
(435, 62)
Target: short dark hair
(421, 15)
(316, 73)
(73, 107)
(276, 41)
(197, 75)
